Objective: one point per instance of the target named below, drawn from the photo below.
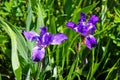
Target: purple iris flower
(43, 40)
(86, 29)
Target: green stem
(67, 55)
(39, 70)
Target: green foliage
(70, 60)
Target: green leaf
(117, 11)
(0, 77)
(71, 70)
(52, 26)
(15, 61)
(86, 10)
(21, 44)
(89, 8)
(3, 39)
(68, 6)
(29, 16)
(28, 75)
(40, 19)
(109, 75)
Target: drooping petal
(90, 41)
(58, 38)
(71, 25)
(30, 35)
(83, 17)
(38, 54)
(93, 19)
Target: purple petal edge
(46, 39)
(71, 25)
(83, 17)
(90, 41)
(58, 38)
(30, 35)
(93, 19)
(43, 30)
(38, 54)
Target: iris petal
(90, 41)
(42, 41)
(93, 19)
(58, 38)
(71, 25)
(83, 17)
(38, 54)
(30, 35)
(81, 29)
(43, 30)
(46, 39)
(90, 28)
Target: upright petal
(90, 41)
(58, 38)
(43, 30)
(38, 54)
(93, 19)
(83, 17)
(71, 25)
(45, 37)
(30, 35)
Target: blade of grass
(85, 10)
(40, 17)
(20, 40)
(15, 61)
(29, 16)
(0, 77)
(109, 75)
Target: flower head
(86, 29)
(43, 40)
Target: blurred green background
(63, 62)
